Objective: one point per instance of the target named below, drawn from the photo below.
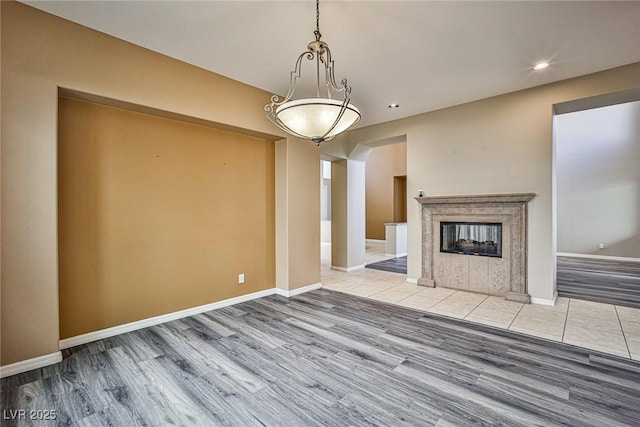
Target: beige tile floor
(608, 328)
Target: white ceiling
(423, 55)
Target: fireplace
(471, 238)
(493, 227)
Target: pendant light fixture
(318, 119)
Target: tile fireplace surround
(506, 276)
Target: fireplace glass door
(471, 238)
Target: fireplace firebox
(471, 238)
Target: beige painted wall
(146, 222)
(497, 145)
(41, 53)
(382, 164)
(298, 205)
(304, 213)
(348, 214)
(339, 214)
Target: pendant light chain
(318, 54)
(317, 31)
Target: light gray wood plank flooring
(611, 282)
(394, 265)
(328, 359)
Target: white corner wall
(598, 174)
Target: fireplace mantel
(503, 277)
(474, 199)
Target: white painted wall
(598, 179)
(357, 212)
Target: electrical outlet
(241, 278)
(601, 246)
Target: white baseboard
(298, 291)
(396, 255)
(145, 323)
(347, 269)
(374, 241)
(549, 302)
(605, 257)
(414, 281)
(50, 359)
(29, 364)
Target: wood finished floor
(611, 282)
(325, 358)
(394, 265)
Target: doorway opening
(597, 199)
(325, 212)
(400, 198)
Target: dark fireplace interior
(471, 238)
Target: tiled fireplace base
(505, 276)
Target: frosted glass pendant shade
(312, 118)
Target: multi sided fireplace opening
(471, 238)
(491, 226)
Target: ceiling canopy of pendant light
(318, 119)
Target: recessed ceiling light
(540, 66)
(393, 105)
